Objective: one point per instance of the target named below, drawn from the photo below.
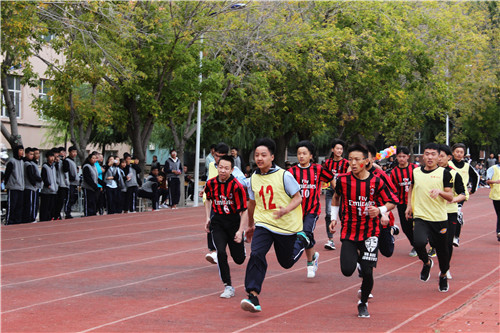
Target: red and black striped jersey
(388, 182)
(402, 178)
(228, 197)
(337, 167)
(356, 196)
(310, 179)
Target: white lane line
(415, 316)
(102, 237)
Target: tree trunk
(13, 136)
(281, 145)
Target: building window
(44, 89)
(14, 83)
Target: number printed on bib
(270, 194)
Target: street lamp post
(235, 6)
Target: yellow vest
(424, 207)
(495, 188)
(270, 195)
(212, 172)
(453, 207)
(464, 173)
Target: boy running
(337, 165)
(309, 176)
(427, 199)
(401, 176)
(226, 211)
(274, 217)
(493, 180)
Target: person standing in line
(101, 193)
(209, 159)
(309, 176)
(445, 156)
(430, 190)
(62, 182)
(132, 170)
(36, 160)
(32, 182)
(89, 185)
(226, 214)
(221, 149)
(236, 157)
(112, 190)
(14, 183)
(173, 168)
(121, 181)
(274, 218)
(69, 166)
(402, 176)
(359, 192)
(337, 165)
(468, 174)
(48, 194)
(493, 180)
(155, 163)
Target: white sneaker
(211, 257)
(311, 270)
(448, 275)
(228, 292)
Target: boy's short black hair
(60, 149)
(266, 142)
(227, 158)
(433, 146)
(308, 144)
(126, 155)
(338, 142)
(49, 153)
(70, 149)
(446, 149)
(222, 148)
(372, 150)
(458, 145)
(402, 149)
(358, 147)
(28, 150)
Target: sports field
(146, 272)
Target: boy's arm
(294, 203)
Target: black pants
(223, 229)
(131, 198)
(436, 234)
(288, 249)
(458, 230)
(101, 200)
(174, 190)
(452, 225)
(123, 204)
(62, 196)
(162, 194)
(113, 200)
(386, 241)
(406, 224)
(496, 204)
(150, 195)
(30, 205)
(15, 202)
(47, 206)
(71, 199)
(353, 252)
(89, 202)
(210, 242)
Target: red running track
(146, 272)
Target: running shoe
(251, 304)
(228, 292)
(425, 273)
(304, 238)
(359, 295)
(363, 310)
(211, 257)
(330, 245)
(456, 241)
(432, 252)
(443, 284)
(395, 230)
(413, 252)
(311, 269)
(448, 275)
